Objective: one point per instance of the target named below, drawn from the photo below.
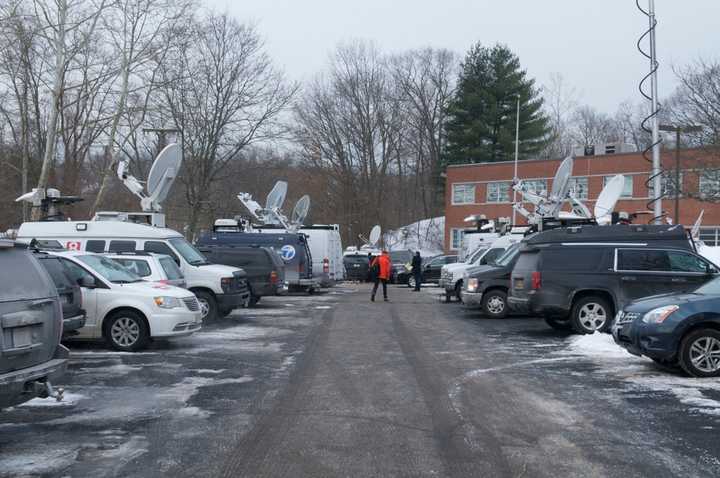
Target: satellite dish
(695, 231)
(164, 171)
(276, 198)
(301, 210)
(561, 181)
(609, 196)
(374, 235)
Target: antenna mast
(656, 166)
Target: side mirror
(88, 282)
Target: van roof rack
(617, 233)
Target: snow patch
(69, 400)
(426, 236)
(597, 345)
(323, 307)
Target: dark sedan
(675, 329)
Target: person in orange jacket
(381, 266)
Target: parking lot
(332, 384)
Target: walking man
(380, 267)
(417, 270)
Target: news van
(327, 253)
(219, 288)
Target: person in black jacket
(417, 270)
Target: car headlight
(657, 316)
(167, 302)
(472, 285)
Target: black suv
(68, 290)
(577, 277)
(487, 286)
(264, 268)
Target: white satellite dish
(162, 175)
(276, 198)
(301, 210)
(608, 198)
(695, 231)
(374, 235)
(561, 181)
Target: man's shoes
(372, 298)
(386, 299)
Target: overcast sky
(590, 43)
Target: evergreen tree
(482, 114)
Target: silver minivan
(31, 321)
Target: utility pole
(517, 148)
(677, 129)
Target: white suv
(152, 267)
(124, 309)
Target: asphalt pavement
(336, 385)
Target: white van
(219, 289)
(327, 253)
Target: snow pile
(597, 345)
(427, 236)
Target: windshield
(109, 269)
(400, 256)
(509, 255)
(172, 271)
(709, 288)
(475, 256)
(189, 253)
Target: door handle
(41, 302)
(678, 279)
(628, 278)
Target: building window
(709, 184)
(456, 236)
(535, 186)
(463, 194)
(627, 191)
(579, 188)
(498, 191)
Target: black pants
(418, 280)
(375, 287)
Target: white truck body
(327, 253)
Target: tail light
(163, 281)
(273, 277)
(301, 267)
(326, 265)
(536, 280)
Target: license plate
(519, 283)
(22, 336)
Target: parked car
(264, 268)
(451, 275)
(675, 329)
(68, 290)
(578, 277)
(152, 267)
(357, 267)
(220, 289)
(432, 267)
(291, 246)
(400, 259)
(31, 321)
(487, 286)
(123, 309)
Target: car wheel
(127, 331)
(458, 290)
(558, 324)
(494, 304)
(411, 282)
(208, 305)
(700, 353)
(591, 314)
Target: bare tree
(592, 127)
(697, 101)
(560, 104)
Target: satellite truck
(219, 288)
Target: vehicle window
(575, 259)
(683, 262)
(57, 272)
(135, 266)
(160, 248)
(710, 288)
(109, 269)
(189, 253)
(24, 285)
(122, 246)
(509, 255)
(436, 262)
(475, 256)
(400, 257)
(492, 254)
(172, 271)
(450, 259)
(95, 246)
(641, 260)
(76, 272)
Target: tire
(126, 331)
(699, 354)
(208, 305)
(254, 299)
(558, 324)
(591, 314)
(458, 290)
(494, 304)
(411, 282)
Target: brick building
(485, 188)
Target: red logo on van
(72, 245)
